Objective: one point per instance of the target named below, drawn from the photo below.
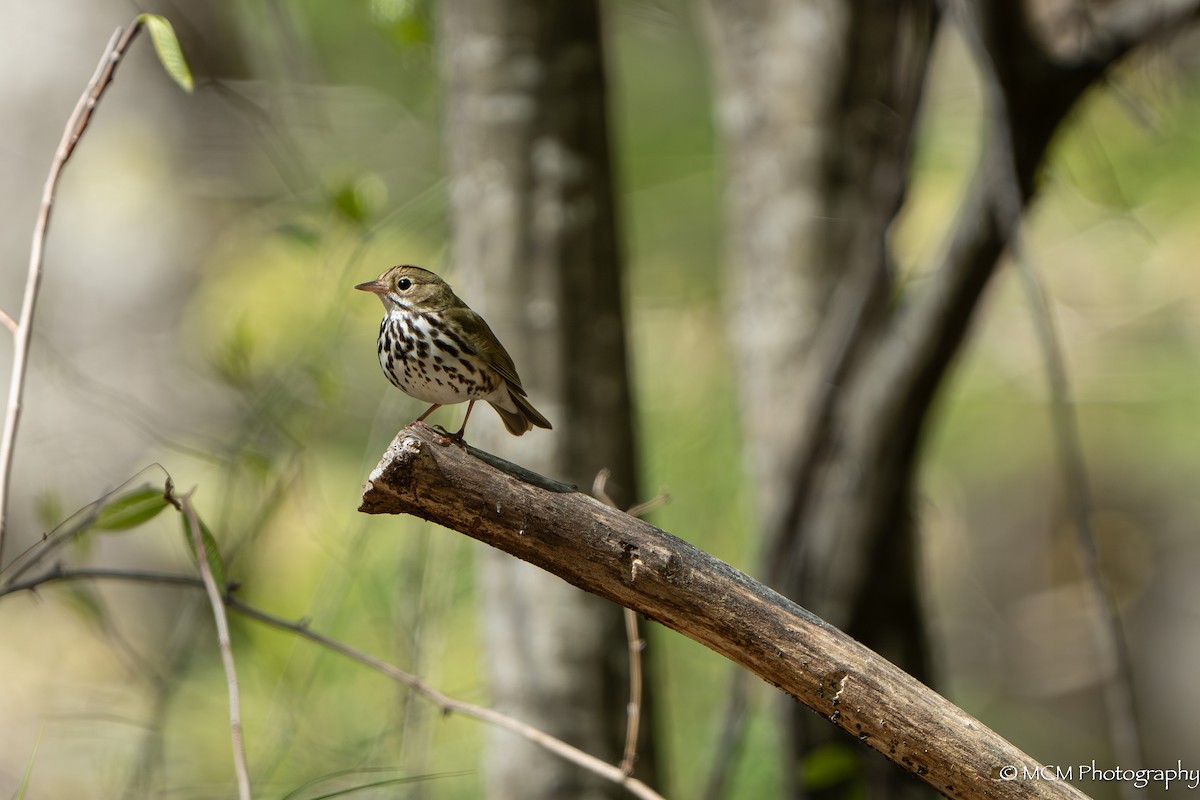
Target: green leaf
(130, 510)
(212, 553)
(359, 201)
(348, 204)
(170, 54)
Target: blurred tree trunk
(817, 102)
(840, 365)
(537, 252)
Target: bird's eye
(403, 284)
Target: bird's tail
(522, 416)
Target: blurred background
(197, 319)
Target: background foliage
(197, 319)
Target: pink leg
(458, 436)
(428, 411)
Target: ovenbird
(436, 349)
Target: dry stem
(216, 600)
(635, 642)
(23, 329)
(446, 703)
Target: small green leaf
(170, 54)
(359, 201)
(130, 510)
(212, 553)
(348, 204)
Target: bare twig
(636, 643)
(54, 540)
(60, 574)
(8, 322)
(634, 710)
(600, 488)
(217, 601)
(1123, 728)
(63, 534)
(642, 509)
(448, 704)
(76, 124)
(443, 701)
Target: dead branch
(22, 330)
(630, 562)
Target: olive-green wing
(478, 336)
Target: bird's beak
(374, 287)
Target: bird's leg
(458, 435)
(428, 411)
(447, 436)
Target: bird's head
(411, 289)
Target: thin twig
(642, 509)
(636, 643)
(634, 709)
(448, 704)
(8, 322)
(53, 540)
(444, 702)
(1123, 728)
(1123, 731)
(62, 535)
(22, 334)
(60, 574)
(216, 599)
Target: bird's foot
(447, 437)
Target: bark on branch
(628, 561)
